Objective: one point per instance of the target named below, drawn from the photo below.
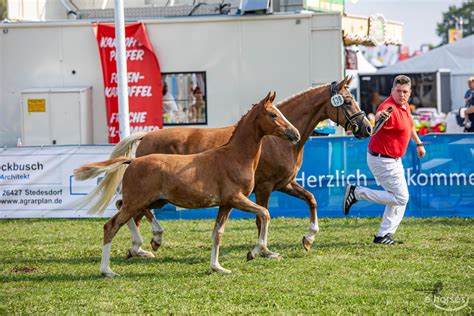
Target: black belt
(373, 153)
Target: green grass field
(52, 266)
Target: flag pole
(123, 114)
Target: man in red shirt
(386, 148)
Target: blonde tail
(106, 189)
(124, 147)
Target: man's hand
(382, 115)
(420, 150)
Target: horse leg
(294, 189)
(135, 250)
(137, 241)
(155, 226)
(217, 233)
(262, 195)
(110, 229)
(241, 202)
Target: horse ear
(272, 98)
(265, 100)
(348, 79)
(344, 82)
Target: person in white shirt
(169, 105)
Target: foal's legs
(137, 241)
(262, 195)
(157, 234)
(221, 219)
(136, 250)
(110, 229)
(241, 202)
(294, 189)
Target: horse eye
(273, 115)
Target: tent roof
(363, 64)
(457, 57)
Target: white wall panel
(327, 50)
(30, 60)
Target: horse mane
(242, 118)
(297, 95)
(278, 105)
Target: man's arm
(420, 148)
(467, 99)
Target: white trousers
(391, 176)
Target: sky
(418, 16)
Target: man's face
(401, 93)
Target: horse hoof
(146, 254)
(221, 270)
(155, 245)
(271, 255)
(140, 253)
(110, 274)
(307, 244)
(250, 256)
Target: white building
(243, 57)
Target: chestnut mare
(280, 161)
(221, 177)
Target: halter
(338, 101)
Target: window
(184, 98)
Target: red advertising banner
(143, 76)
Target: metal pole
(124, 117)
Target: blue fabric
(468, 94)
(441, 184)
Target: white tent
(458, 57)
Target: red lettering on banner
(143, 77)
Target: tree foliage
(466, 11)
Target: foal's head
(273, 122)
(343, 109)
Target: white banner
(38, 181)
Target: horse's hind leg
(110, 229)
(221, 219)
(135, 250)
(137, 241)
(155, 226)
(294, 189)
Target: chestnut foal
(222, 177)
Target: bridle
(338, 101)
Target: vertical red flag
(143, 76)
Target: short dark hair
(402, 79)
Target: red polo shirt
(392, 139)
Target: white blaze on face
(282, 116)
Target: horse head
(343, 109)
(274, 123)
